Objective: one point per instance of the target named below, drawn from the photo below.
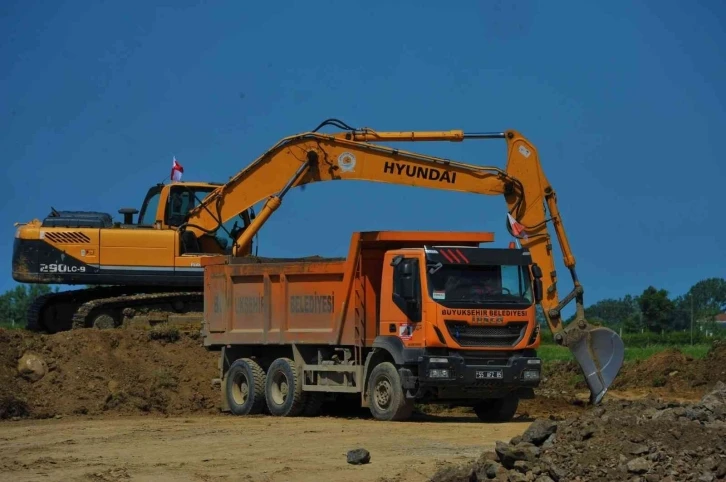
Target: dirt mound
(105, 371)
(675, 371)
(620, 440)
(667, 368)
(668, 373)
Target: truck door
(401, 303)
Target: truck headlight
(439, 373)
(438, 360)
(531, 374)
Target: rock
(359, 456)
(557, 473)
(715, 400)
(721, 470)
(638, 466)
(509, 454)
(696, 414)
(543, 478)
(539, 431)
(516, 477)
(486, 469)
(492, 470)
(639, 450)
(32, 367)
(521, 466)
(454, 473)
(587, 432)
(709, 463)
(550, 441)
(113, 387)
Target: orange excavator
(355, 154)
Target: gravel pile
(647, 440)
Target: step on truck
(407, 317)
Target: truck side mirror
(538, 290)
(537, 273)
(408, 286)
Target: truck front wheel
(245, 387)
(497, 410)
(386, 398)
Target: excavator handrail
(352, 155)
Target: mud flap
(600, 353)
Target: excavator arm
(353, 154)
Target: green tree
(657, 309)
(612, 312)
(14, 303)
(707, 297)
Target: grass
(557, 353)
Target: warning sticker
(405, 332)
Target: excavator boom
(353, 154)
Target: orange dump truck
(406, 317)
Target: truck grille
(505, 335)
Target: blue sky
(624, 100)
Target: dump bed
(315, 300)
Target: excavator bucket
(599, 352)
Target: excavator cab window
(181, 200)
(147, 216)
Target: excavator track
(112, 306)
(146, 309)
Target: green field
(557, 353)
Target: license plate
(486, 374)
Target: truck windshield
(479, 284)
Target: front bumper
(446, 370)
(454, 376)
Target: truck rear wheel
(245, 387)
(313, 404)
(497, 410)
(386, 398)
(283, 389)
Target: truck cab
(463, 319)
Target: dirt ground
(218, 447)
(137, 405)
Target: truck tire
(386, 398)
(497, 410)
(245, 387)
(313, 404)
(283, 389)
